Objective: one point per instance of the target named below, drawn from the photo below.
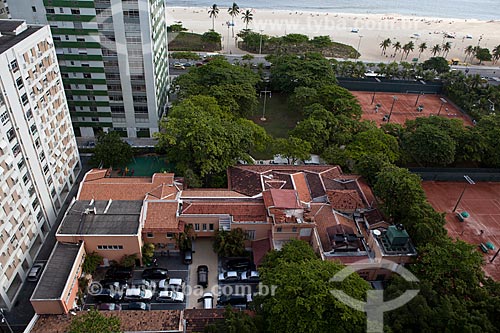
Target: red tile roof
(286, 199)
(97, 186)
(260, 249)
(211, 193)
(345, 200)
(241, 211)
(300, 184)
(161, 216)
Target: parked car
(234, 300)
(172, 284)
(203, 275)
(108, 296)
(230, 276)
(35, 272)
(120, 273)
(137, 306)
(114, 284)
(187, 64)
(137, 294)
(238, 264)
(109, 307)
(250, 276)
(170, 296)
(155, 273)
(143, 284)
(188, 257)
(208, 300)
(178, 65)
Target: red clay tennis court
(482, 202)
(405, 107)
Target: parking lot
(176, 269)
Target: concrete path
(203, 255)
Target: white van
(208, 300)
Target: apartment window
(14, 66)
(46, 169)
(294, 229)
(93, 108)
(29, 114)
(35, 203)
(61, 10)
(89, 86)
(41, 156)
(49, 180)
(170, 235)
(279, 229)
(75, 11)
(19, 83)
(81, 40)
(140, 109)
(20, 164)
(16, 149)
(37, 143)
(4, 117)
(204, 227)
(11, 134)
(87, 75)
(211, 227)
(26, 178)
(33, 9)
(67, 38)
(95, 119)
(24, 99)
(196, 227)
(250, 234)
(39, 216)
(110, 247)
(53, 192)
(150, 235)
(50, 11)
(33, 129)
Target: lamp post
(492, 107)
(260, 44)
(469, 181)
(265, 92)
(4, 320)
(443, 102)
(394, 99)
(359, 43)
(418, 97)
(229, 24)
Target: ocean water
(464, 9)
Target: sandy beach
(372, 29)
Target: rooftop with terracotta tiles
(240, 210)
(161, 216)
(98, 185)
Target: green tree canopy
(303, 301)
(439, 64)
(429, 145)
(292, 148)
(232, 86)
(111, 151)
(234, 321)
(486, 136)
(230, 243)
(399, 190)
(199, 136)
(311, 70)
(483, 54)
(93, 321)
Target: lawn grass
(187, 41)
(279, 120)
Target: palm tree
(233, 11)
(496, 54)
(247, 17)
(421, 48)
(396, 47)
(436, 49)
(446, 48)
(469, 50)
(407, 48)
(385, 44)
(213, 12)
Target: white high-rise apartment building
(114, 60)
(39, 158)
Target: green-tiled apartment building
(113, 56)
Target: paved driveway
(203, 254)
